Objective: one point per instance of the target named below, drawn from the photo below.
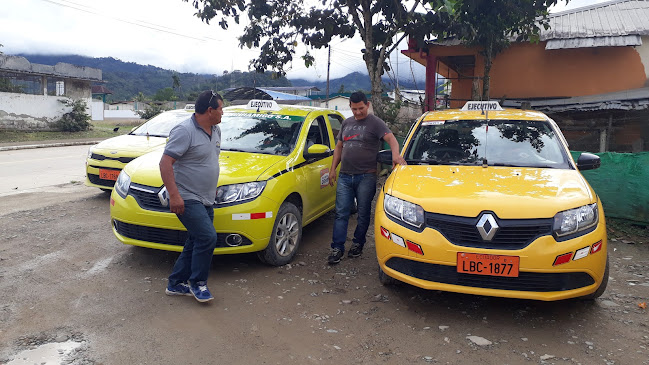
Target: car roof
(296, 110)
(505, 114)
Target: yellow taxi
(106, 159)
(491, 203)
(274, 179)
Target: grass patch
(100, 129)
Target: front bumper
(538, 279)
(162, 230)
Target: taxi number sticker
(324, 178)
(108, 174)
(485, 264)
(433, 122)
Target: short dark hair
(206, 99)
(357, 97)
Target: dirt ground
(64, 278)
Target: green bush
(150, 111)
(76, 120)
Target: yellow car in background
(274, 179)
(491, 203)
(107, 159)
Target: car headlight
(122, 184)
(575, 220)
(239, 192)
(90, 151)
(404, 211)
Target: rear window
(513, 143)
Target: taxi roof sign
(481, 106)
(263, 105)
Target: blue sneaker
(200, 291)
(178, 289)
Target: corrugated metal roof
(609, 24)
(613, 23)
(636, 99)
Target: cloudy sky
(162, 33)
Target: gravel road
(66, 281)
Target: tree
(276, 27)
(165, 94)
(492, 24)
(176, 83)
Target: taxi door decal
(324, 178)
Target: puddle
(46, 354)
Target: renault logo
(163, 195)
(487, 226)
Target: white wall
(643, 50)
(25, 111)
(97, 110)
(130, 114)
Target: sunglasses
(212, 97)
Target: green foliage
(165, 94)
(491, 24)
(276, 28)
(150, 111)
(76, 120)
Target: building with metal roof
(590, 71)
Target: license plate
(108, 174)
(485, 264)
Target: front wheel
(385, 279)
(286, 237)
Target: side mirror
(384, 157)
(588, 161)
(317, 150)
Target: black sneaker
(355, 251)
(335, 256)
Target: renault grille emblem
(487, 227)
(163, 195)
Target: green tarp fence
(622, 183)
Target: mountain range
(127, 79)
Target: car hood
(235, 167)
(508, 192)
(129, 145)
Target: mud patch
(60, 347)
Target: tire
(385, 279)
(106, 190)
(602, 287)
(286, 237)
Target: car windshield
(516, 143)
(160, 125)
(260, 133)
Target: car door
(320, 196)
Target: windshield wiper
(234, 149)
(423, 162)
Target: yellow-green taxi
(274, 179)
(106, 159)
(491, 203)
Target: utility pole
(328, 65)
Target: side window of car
(317, 133)
(336, 122)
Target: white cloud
(162, 33)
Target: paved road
(28, 170)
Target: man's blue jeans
(361, 187)
(194, 262)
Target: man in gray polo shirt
(190, 171)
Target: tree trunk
(488, 55)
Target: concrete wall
(31, 112)
(128, 114)
(97, 110)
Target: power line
(138, 23)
